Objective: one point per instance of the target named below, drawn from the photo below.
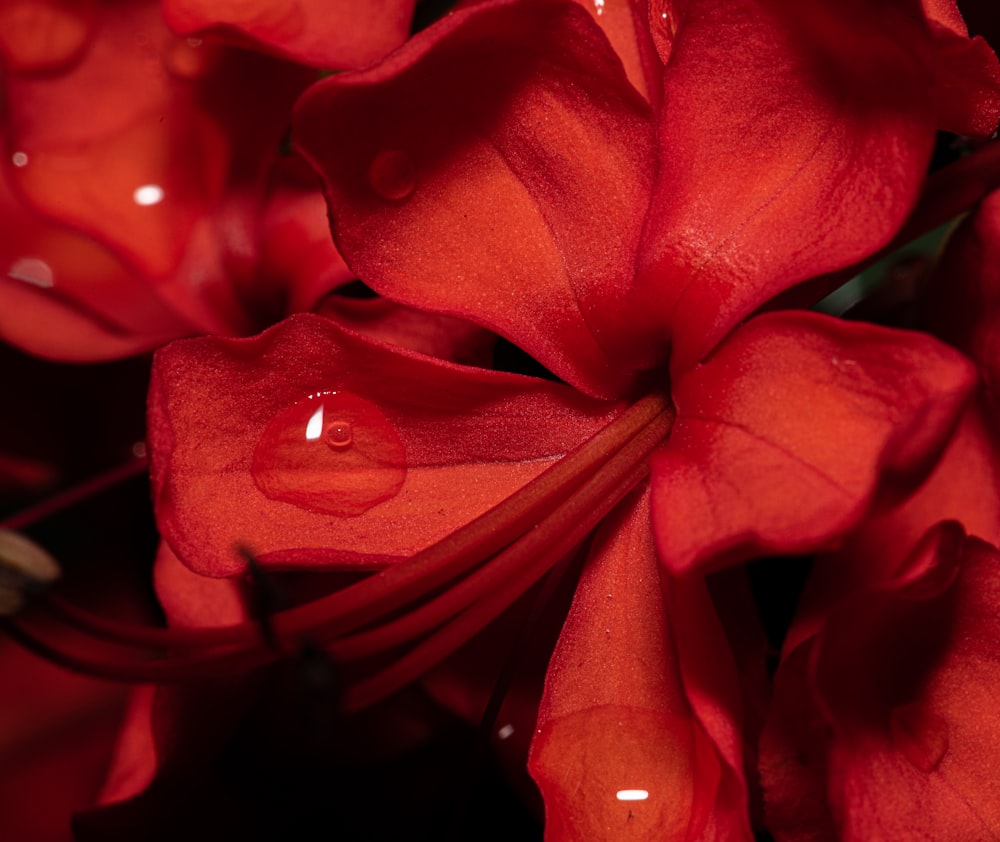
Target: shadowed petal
(903, 680)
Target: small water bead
(148, 194)
(920, 735)
(392, 174)
(19, 159)
(331, 453)
(340, 435)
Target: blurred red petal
(519, 210)
(133, 178)
(782, 434)
(793, 141)
(314, 446)
(329, 35)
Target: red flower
(883, 723)
(138, 173)
(502, 168)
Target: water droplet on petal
(32, 270)
(148, 194)
(340, 435)
(41, 36)
(392, 174)
(333, 453)
(19, 159)
(919, 734)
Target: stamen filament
(540, 524)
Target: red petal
(793, 141)
(964, 487)
(781, 435)
(614, 717)
(427, 446)
(443, 337)
(497, 168)
(140, 165)
(907, 678)
(966, 88)
(331, 35)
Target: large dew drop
(332, 453)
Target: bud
(24, 567)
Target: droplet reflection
(148, 194)
(632, 794)
(19, 159)
(333, 453)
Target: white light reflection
(32, 271)
(19, 159)
(314, 427)
(148, 194)
(599, 6)
(505, 732)
(632, 794)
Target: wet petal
(807, 164)
(518, 209)
(618, 753)
(333, 36)
(313, 446)
(782, 434)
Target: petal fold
(498, 169)
(793, 141)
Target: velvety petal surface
(497, 168)
(904, 678)
(782, 434)
(311, 446)
(330, 35)
(793, 141)
(618, 753)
